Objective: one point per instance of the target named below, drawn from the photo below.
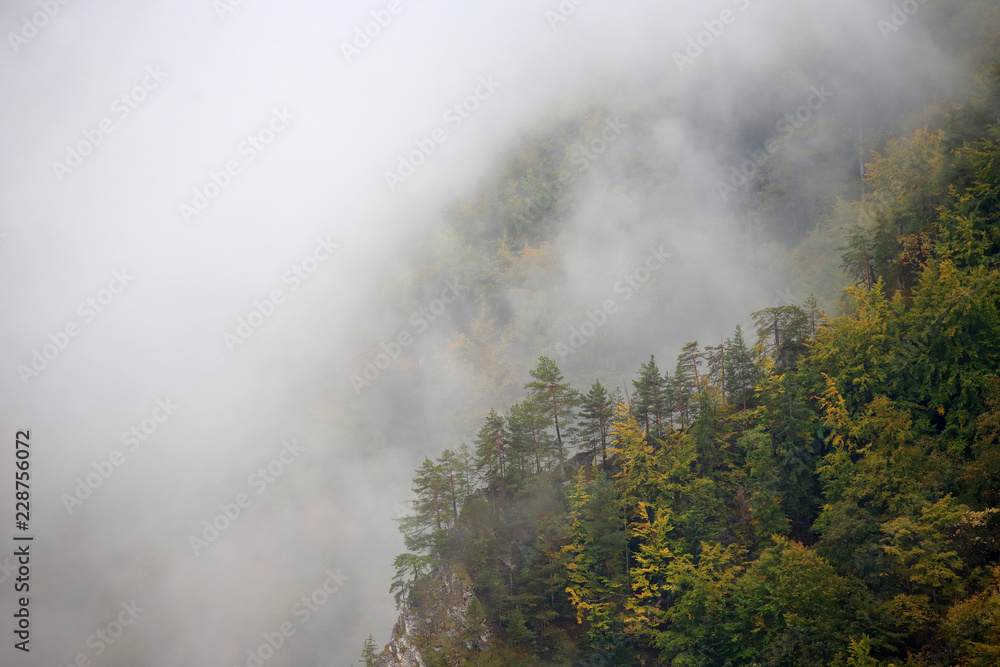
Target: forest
(822, 487)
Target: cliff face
(436, 626)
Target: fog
(212, 177)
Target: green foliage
(368, 653)
(555, 396)
(825, 493)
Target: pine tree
(424, 530)
(715, 367)
(743, 372)
(518, 431)
(597, 411)
(541, 446)
(650, 401)
(687, 383)
(782, 333)
(491, 452)
(548, 389)
(764, 485)
(368, 652)
(598, 576)
(455, 492)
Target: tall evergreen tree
(425, 529)
(548, 389)
(529, 440)
(650, 399)
(368, 652)
(597, 411)
(782, 333)
(491, 454)
(743, 372)
(687, 383)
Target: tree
(743, 372)
(764, 485)
(905, 191)
(782, 333)
(598, 584)
(687, 383)
(530, 443)
(456, 488)
(650, 401)
(368, 652)
(425, 529)
(715, 367)
(491, 452)
(410, 568)
(791, 608)
(698, 629)
(548, 389)
(922, 553)
(597, 410)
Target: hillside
(820, 487)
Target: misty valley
(548, 333)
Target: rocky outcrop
(436, 625)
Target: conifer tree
(687, 383)
(650, 401)
(548, 389)
(782, 333)
(368, 652)
(424, 530)
(598, 584)
(491, 451)
(743, 371)
(597, 411)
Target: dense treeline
(816, 491)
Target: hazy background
(323, 176)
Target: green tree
(743, 372)
(764, 485)
(596, 412)
(650, 399)
(368, 652)
(426, 529)
(597, 572)
(687, 383)
(491, 452)
(782, 333)
(548, 389)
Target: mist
(211, 220)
